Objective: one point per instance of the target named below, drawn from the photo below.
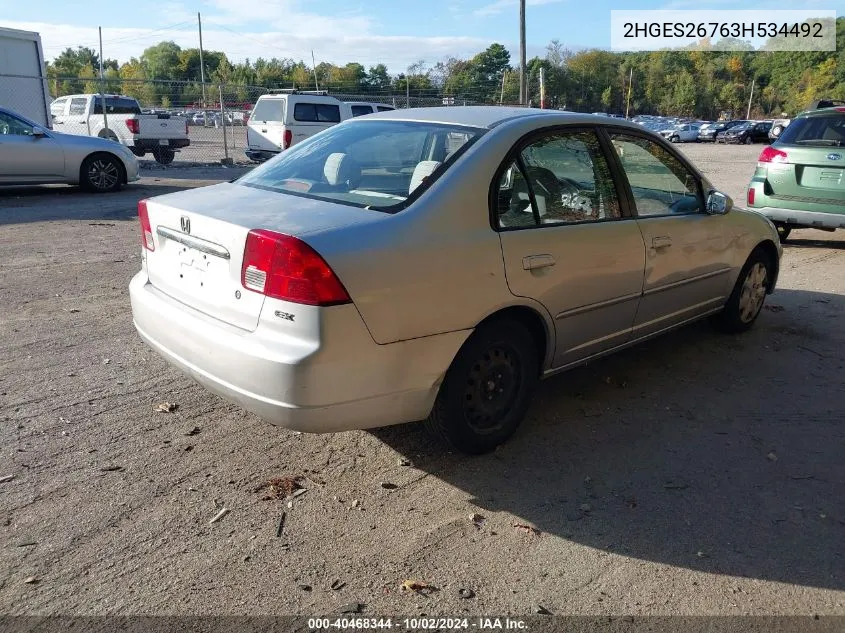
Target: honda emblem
(186, 224)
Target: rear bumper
(259, 155)
(808, 219)
(343, 381)
(149, 144)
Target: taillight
(288, 139)
(134, 126)
(146, 228)
(284, 267)
(772, 155)
(750, 197)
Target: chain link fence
(215, 115)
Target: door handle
(661, 241)
(533, 262)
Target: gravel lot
(695, 474)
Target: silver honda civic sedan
(33, 155)
(435, 263)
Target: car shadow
(722, 454)
(796, 241)
(65, 202)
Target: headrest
(340, 169)
(422, 171)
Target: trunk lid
(811, 175)
(200, 234)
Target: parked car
(284, 118)
(33, 155)
(681, 133)
(436, 262)
(778, 125)
(199, 118)
(800, 178)
(746, 133)
(361, 108)
(710, 133)
(123, 122)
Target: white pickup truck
(159, 134)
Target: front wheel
(101, 173)
(746, 301)
(487, 390)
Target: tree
(162, 60)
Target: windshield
(374, 164)
(825, 130)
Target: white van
(360, 108)
(283, 118)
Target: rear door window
(316, 113)
(77, 106)
(360, 110)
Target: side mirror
(38, 132)
(718, 203)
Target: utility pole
(630, 84)
(542, 89)
(751, 96)
(202, 66)
(523, 83)
(102, 89)
(314, 64)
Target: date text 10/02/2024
(416, 624)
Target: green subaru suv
(800, 178)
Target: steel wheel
(487, 389)
(753, 292)
(491, 389)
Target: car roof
(822, 111)
(492, 116)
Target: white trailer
(23, 75)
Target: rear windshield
(116, 105)
(370, 163)
(826, 130)
(269, 110)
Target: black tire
(499, 356)
(776, 130)
(101, 173)
(783, 231)
(748, 140)
(746, 301)
(109, 136)
(675, 139)
(138, 152)
(164, 155)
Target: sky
(396, 33)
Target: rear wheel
(488, 388)
(776, 130)
(138, 152)
(783, 231)
(101, 173)
(746, 301)
(675, 139)
(748, 140)
(164, 155)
